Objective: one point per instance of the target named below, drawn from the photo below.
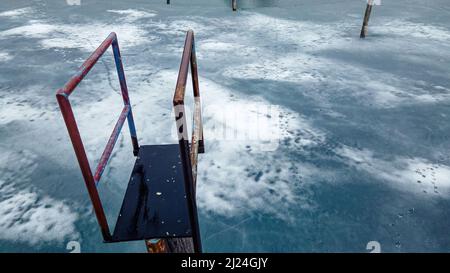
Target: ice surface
(353, 134)
(26, 215)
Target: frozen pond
(359, 130)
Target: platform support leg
(190, 195)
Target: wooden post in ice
(234, 4)
(174, 245)
(156, 246)
(366, 19)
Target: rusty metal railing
(62, 96)
(189, 153)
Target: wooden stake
(176, 245)
(366, 19)
(156, 246)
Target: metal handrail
(189, 153)
(62, 96)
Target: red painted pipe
(110, 145)
(77, 143)
(87, 66)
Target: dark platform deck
(155, 205)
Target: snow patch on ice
(26, 215)
(16, 13)
(239, 177)
(305, 34)
(131, 15)
(88, 37)
(13, 108)
(416, 175)
(217, 46)
(389, 92)
(4, 57)
(35, 29)
(415, 30)
(85, 37)
(292, 68)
